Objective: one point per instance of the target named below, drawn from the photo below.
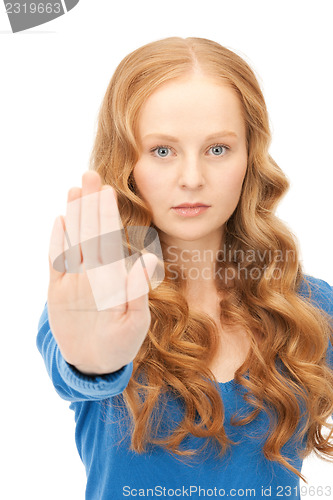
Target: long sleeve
(69, 383)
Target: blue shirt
(114, 472)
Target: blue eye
(217, 148)
(163, 150)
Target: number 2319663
(33, 8)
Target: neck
(196, 262)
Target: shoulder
(320, 294)
(318, 291)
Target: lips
(191, 205)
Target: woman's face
(204, 159)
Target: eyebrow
(223, 133)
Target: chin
(189, 236)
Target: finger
(56, 250)
(108, 280)
(72, 233)
(89, 226)
(111, 244)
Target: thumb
(137, 281)
(150, 261)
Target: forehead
(190, 103)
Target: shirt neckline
(231, 385)
(227, 386)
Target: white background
(53, 78)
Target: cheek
(232, 180)
(148, 183)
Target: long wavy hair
(263, 298)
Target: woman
(219, 378)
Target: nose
(190, 173)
